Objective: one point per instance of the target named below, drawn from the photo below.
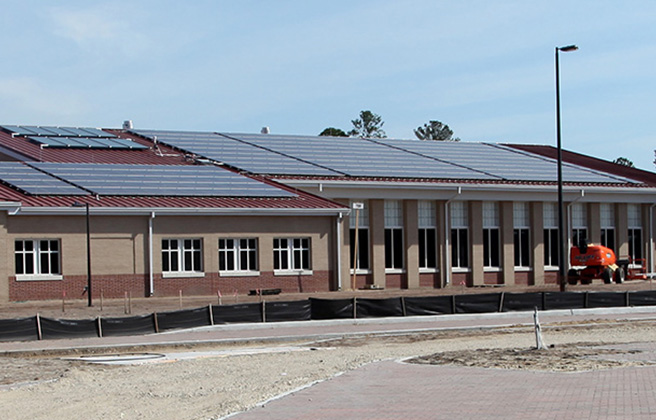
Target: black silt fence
(564, 300)
(183, 319)
(332, 308)
(429, 305)
(300, 310)
(472, 304)
(316, 309)
(644, 298)
(22, 329)
(606, 299)
(522, 301)
(134, 325)
(375, 308)
(68, 328)
(239, 313)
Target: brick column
(476, 242)
(377, 232)
(411, 232)
(537, 242)
(507, 242)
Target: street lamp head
(568, 48)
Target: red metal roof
(647, 177)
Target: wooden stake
(38, 327)
(538, 332)
(218, 295)
(130, 302)
(125, 302)
(102, 293)
(180, 293)
(63, 300)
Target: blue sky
(485, 68)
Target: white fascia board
(470, 191)
(167, 211)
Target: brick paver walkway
(393, 390)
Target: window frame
(236, 252)
(550, 237)
(37, 255)
(521, 236)
(427, 236)
(459, 221)
(181, 253)
(293, 249)
(394, 248)
(491, 236)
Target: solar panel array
(87, 143)
(39, 131)
(360, 157)
(501, 161)
(235, 153)
(317, 155)
(161, 180)
(72, 137)
(32, 181)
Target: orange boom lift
(590, 261)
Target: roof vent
(265, 130)
(127, 125)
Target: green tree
(435, 130)
(369, 125)
(333, 132)
(624, 162)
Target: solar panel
(87, 143)
(43, 131)
(236, 153)
(361, 157)
(501, 161)
(35, 182)
(161, 180)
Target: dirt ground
(209, 387)
(78, 309)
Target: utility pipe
(151, 284)
(339, 219)
(652, 267)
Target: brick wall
(115, 286)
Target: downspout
(150, 254)
(651, 239)
(339, 250)
(447, 252)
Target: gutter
(11, 207)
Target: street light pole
(562, 261)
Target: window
(579, 223)
(521, 223)
(37, 258)
(427, 235)
(550, 218)
(393, 234)
(491, 251)
(182, 256)
(291, 254)
(635, 233)
(363, 237)
(238, 255)
(607, 214)
(459, 235)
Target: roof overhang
(168, 211)
(363, 189)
